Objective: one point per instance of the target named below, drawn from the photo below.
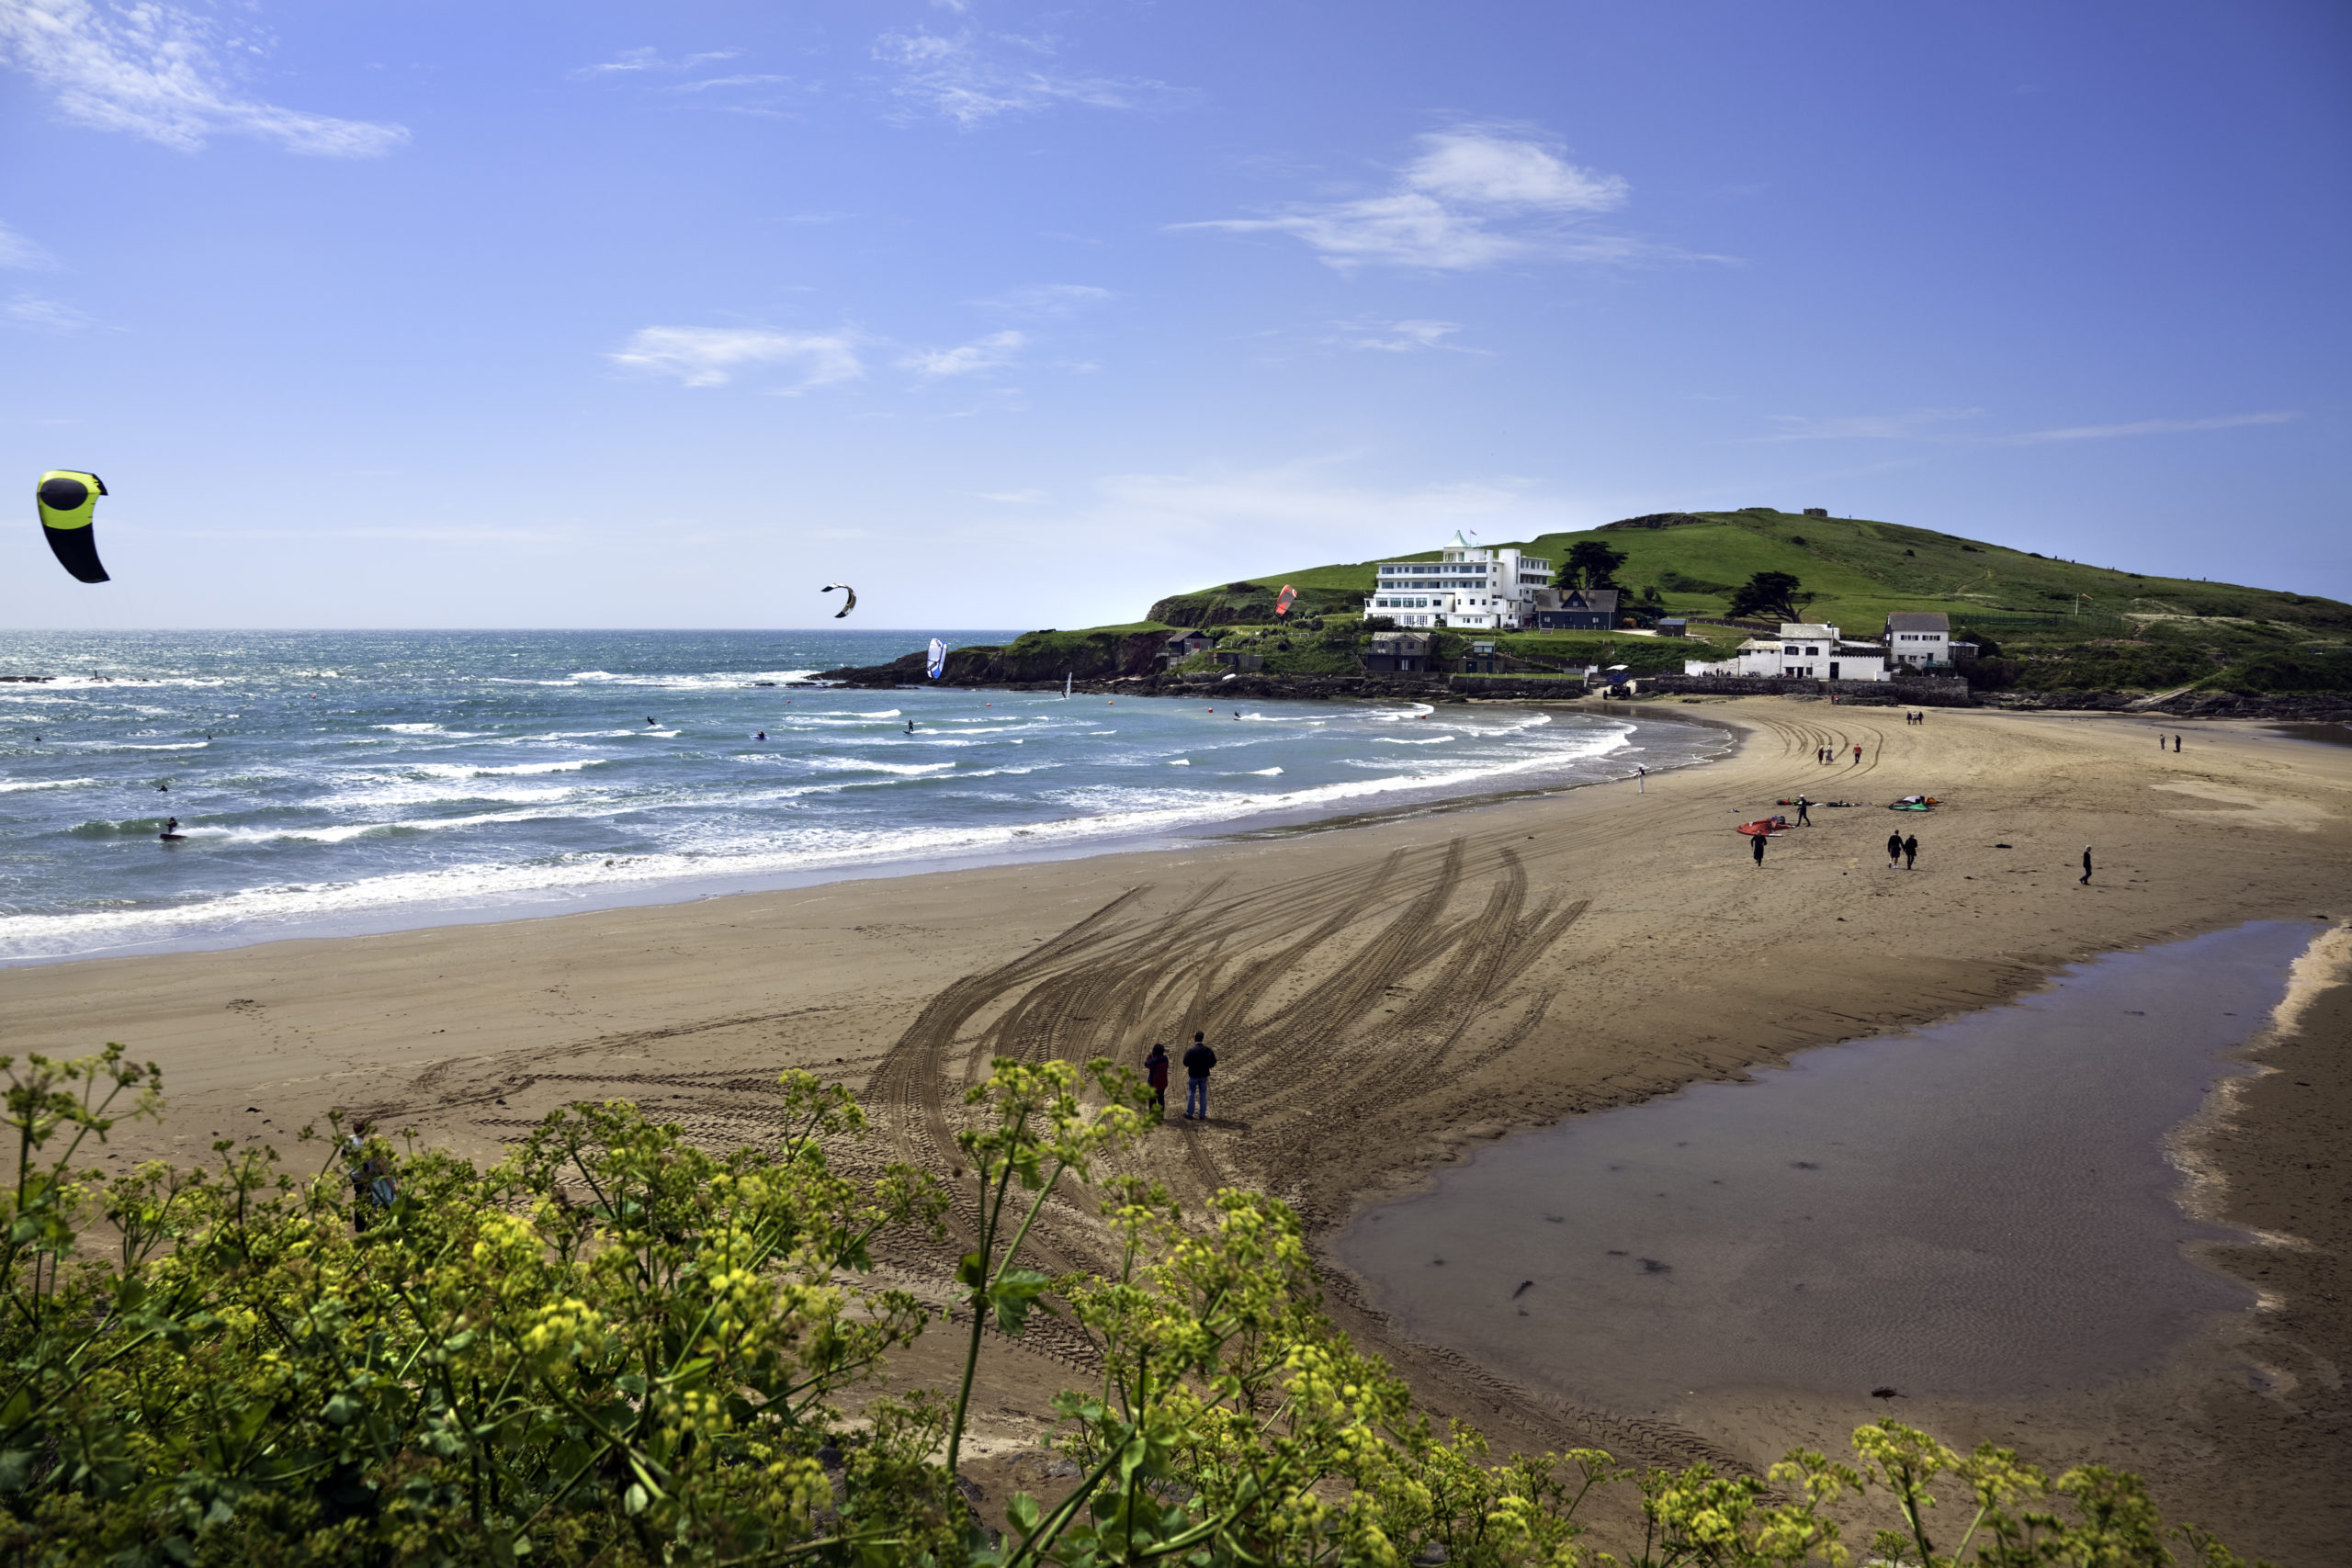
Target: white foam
(44, 784)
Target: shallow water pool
(1982, 1208)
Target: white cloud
(1051, 300)
(977, 358)
(18, 252)
(962, 79)
(35, 314)
(1916, 425)
(711, 356)
(707, 83)
(1401, 337)
(149, 69)
(1013, 497)
(2153, 427)
(632, 61)
(1474, 198)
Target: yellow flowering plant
(614, 1349)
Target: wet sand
(1387, 995)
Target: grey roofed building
(1582, 609)
(1398, 651)
(1921, 637)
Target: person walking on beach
(2176, 745)
(1858, 751)
(1894, 849)
(1757, 839)
(1910, 852)
(2087, 865)
(1155, 1072)
(1197, 1062)
(1803, 807)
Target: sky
(588, 315)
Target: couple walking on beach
(1901, 851)
(1197, 1062)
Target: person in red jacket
(1155, 1071)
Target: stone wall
(1920, 691)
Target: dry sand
(1384, 995)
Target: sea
(328, 783)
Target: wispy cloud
(1306, 498)
(712, 356)
(751, 79)
(1051, 300)
(1915, 424)
(977, 358)
(31, 313)
(1013, 497)
(970, 79)
(1476, 197)
(1400, 337)
(1926, 424)
(18, 252)
(150, 70)
(2153, 428)
(648, 60)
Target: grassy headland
(2044, 624)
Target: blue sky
(426, 314)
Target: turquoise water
(365, 780)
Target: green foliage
(1773, 595)
(1590, 563)
(614, 1349)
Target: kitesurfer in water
(171, 828)
(763, 734)
(911, 726)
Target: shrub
(480, 1367)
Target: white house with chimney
(1468, 587)
(1809, 651)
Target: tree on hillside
(1590, 564)
(1770, 594)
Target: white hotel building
(1467, 587)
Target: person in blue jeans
(1197, 1062)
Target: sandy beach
(1388, 995)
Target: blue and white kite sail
(936, 659)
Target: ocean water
(344, 781)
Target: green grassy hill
(2054, 623)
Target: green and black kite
(68, 501)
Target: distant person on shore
(1641, 780)
(2176, 743)
(1911, 852)
(1894, 849)
(1757, 841)
(1804, 808)
(1155, 1072)
(2086, 865)
(1197, 1062)
(1858, 751)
